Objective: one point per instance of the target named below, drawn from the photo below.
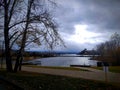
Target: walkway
(92, 74)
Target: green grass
(49, 67)
(35, 81)
(99, 68)
(115, 69)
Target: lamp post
(106, 70)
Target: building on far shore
(88, 52)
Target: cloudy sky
(86, 23)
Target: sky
(86, 23)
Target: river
(64, 61)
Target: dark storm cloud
(104, 14)
(102, 17)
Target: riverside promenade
(92, 74)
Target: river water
(64, 61)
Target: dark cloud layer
(102, 13)
(101, 17)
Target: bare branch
(15, 40)
(52, 2)
(13, 35)
(1, 3)
(16, 24)
(12, 9)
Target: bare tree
(26, 22)
(115, 43)
(111, 48)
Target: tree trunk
(6, 37)
(17, 62)
(21, 51)
(20, 65)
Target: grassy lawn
(115, 69)
(50, 67)
(35, 81)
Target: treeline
(31, 54)
(40, 54)
(110, 50)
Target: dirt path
(91, 74)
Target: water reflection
(64, 61)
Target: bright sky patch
(82, 35)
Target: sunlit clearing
(82, 35)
